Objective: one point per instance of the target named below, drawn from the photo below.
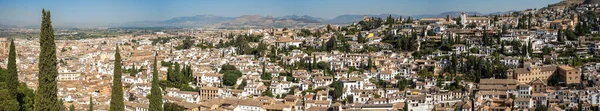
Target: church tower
(463, 19)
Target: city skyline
(102, 12)
(383, 55)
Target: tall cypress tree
(91, 104)
(72, 107)
(116, 97)
(12, 78)
(156, 102)
(45, 97)
(8, 84)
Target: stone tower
(463, 19)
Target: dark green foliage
(402, 83)
(116, 96)
(265, 75)
(91, 105)
(179, 77)
(389, 20)
(476, 68)
(2, 75)
(187, 43)
(72, 108)
(25, 97)
(7, 103)
(16, 95)
(241, 42)
(267, 93)
(242, 85)
(160, 40)
(405, 106)
(165, 64)
(12, 79)
(540, 107)
(372, 24)
(133, 71)
(361, 38)
(156, 103)
(338, 89)
(9, 84)
(304, 32)
(402, 42)
(230, 74)
(170, 75)
(173, 107)
(46, 99)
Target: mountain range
(283, 21)
(264, 21)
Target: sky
(119, 11)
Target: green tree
(170, 74)
(2, 76)
(61, 106)
(369, 63)
(12, 78)
(405, 106)
(91, 105)
(268, 93)
(230, 74)
(134, 71)
(360, 38)
(338, 89)
(265, 75)
(156, 103)
(540, 107)
(25, 97)
(173, 107)
(46, 99)
(6, 102)
(72, 107)
(116, 96)
(389, 20)
(242, 85)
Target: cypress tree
(177, 73)
(9, 83)
(116, 96)
(156, 102)
(170, 75)
(61, 106)
(91, 104)
(12, 78)
(134, 71)
(72, 107)
(45, 97)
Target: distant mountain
(191, 21)
(305, 18)
(197, 20)
(343, 19)
(283, 21)
(2, 26)
(268, 21)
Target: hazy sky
(116, 11)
